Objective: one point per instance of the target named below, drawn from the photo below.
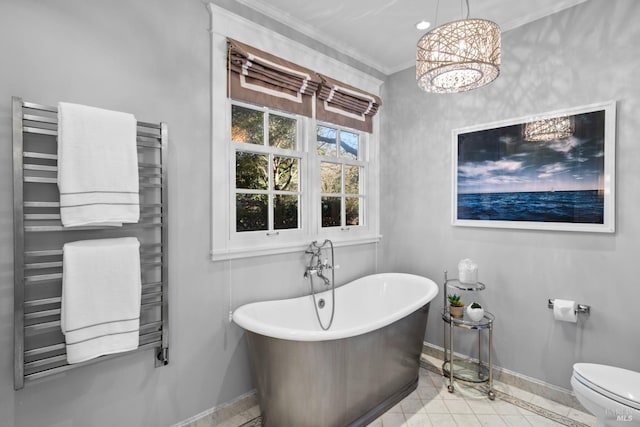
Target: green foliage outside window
(260, 175)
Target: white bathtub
(362, 305)
(363, 365)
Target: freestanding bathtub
(349, 375)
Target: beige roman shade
(344, 105)
(264, 79)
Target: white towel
(97, 166)
(101, 287)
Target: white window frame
(363, 163)
(242, 244)
(273, 235)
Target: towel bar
(39, 348)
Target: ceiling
(382, 33)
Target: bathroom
(154, 59)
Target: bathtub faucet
(318, 270)
(324, 278)
(316, 265)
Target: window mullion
(270, 183)
(271, 198)
(232, 195)
(343, 199)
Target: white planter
(475, 314)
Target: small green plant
(476, 305)
(454, 300)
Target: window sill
(240, 253)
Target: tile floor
(431, 405)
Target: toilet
(611, 394)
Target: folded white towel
(97, 166)
(101, 287)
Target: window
(267, 194)
(342, 159)
(292, 180)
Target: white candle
(468, 271)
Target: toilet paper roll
(565, 310)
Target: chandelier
(548, 129)
(458, 56)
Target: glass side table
(466, 370)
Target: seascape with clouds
(502, 177)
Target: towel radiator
(39, 347)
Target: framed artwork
(555, 171)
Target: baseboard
(221, 413)
(514, 379)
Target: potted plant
(475, 312)
(456, 307)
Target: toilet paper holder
(581, 308)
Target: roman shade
(264, 79)
(345, 105)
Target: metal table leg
(450, 388)
(491, 394)
(479, 353)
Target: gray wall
(151, 59)
(586, 54)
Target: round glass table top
(463, 286)
(465, 321)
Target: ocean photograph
(584, 207)
(501, 176)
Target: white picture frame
(502, 180)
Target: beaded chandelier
(458, 56)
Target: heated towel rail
(39, 347)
